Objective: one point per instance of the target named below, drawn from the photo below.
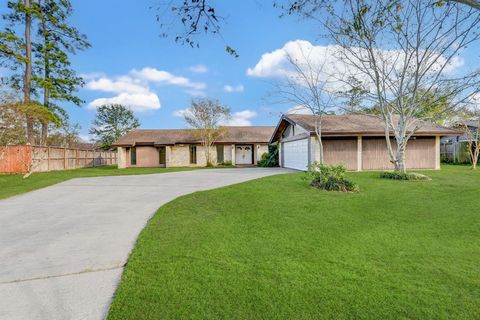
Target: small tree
(13, 115)
(471, 126)
(310, 86)
(205, 116)
(67, 135)
(111, 122)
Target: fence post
(77, 158)
(48, 158)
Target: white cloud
(137, 102)
(181, 113)
(199, 68)
(160, 76)
(133, 89)
(275, 64)
(92, 75)
(241, 118)
(196, 93)
(121, 84)
(299, 110)
(237, 88)
(86, 138)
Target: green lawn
(14, 184)
(277, 249)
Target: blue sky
(125, 37)
(130, 63)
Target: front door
(243, 154)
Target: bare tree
(405, 52)
(471, 127)
(310, 86)
(205, 116)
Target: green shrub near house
(412, 176)
(270, 158)
(330, 178)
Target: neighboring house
(357, 141)
(455, 149)
(181, 147)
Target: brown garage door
(420, 153)
(341, 151)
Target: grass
(276, 248)
(15, 184)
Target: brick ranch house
(182, 148)
(357, 141)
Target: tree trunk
(320, 149)
(207, 154)
(475, 155)
(28, 71)
(46, 90)
(44, 137)
(399, 163)
(318, 132)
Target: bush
(411, 176)
(269, 159)
(330, 178)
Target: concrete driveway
(63, 248)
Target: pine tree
(16, 48)
(57, 40)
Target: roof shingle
(251, 134)
(360, 124)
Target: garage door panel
(420, 153)
(375, 155)
(295, 154)
(341, 151)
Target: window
(133, 156)
(193, 154)
(162, 156)
(220, 153)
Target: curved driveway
(63, 248)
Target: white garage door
(295, 154)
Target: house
(455, 149)
(182, 147)
(356, 141)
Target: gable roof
(352, 125)
(250, 134)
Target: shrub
(269, 159)
(210, 165)
(330, 178)
(411, 176)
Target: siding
(421, 153)
(341, 151)
(336, 151)
(147, 157)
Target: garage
(295, 154)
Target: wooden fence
(25, 158)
